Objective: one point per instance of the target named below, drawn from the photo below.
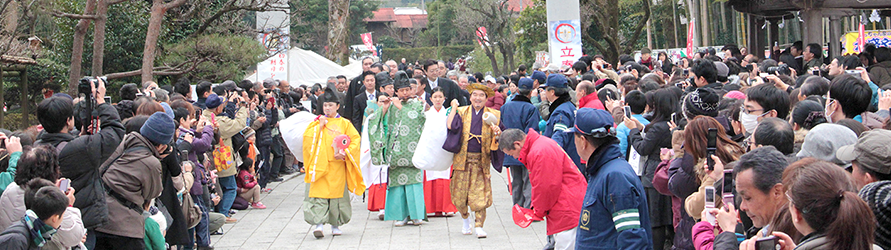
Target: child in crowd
(44, 215)
(154, 236)
(247, 184)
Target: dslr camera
(779, 70)
(85, 90)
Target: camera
(779, 70)
(85, 89)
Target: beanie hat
(213, 101)
(158, 128)
(167, 109)
(735, 95)
(878, 196)
(703, 101)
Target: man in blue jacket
(519, 113)
(615, 193)
(562, 117)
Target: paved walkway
(281, 226)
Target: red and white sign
(275, 67)
(481, 36)
(366, 39)
(690, 35)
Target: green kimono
(394, 137)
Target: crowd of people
(718, 151)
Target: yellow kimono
(326, 175)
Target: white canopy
(307, 68)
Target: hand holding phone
(627, 111)
(712, 141)
(64, 184)
(709, 204)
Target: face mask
(829, 113)
(748, 121)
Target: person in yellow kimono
(330, 171)
(471, 186)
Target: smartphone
(674, 118)
(767, 243)
(686, 72)
(64, 184)
(711, 147)
(815, 72)
(627, 111)
(108, 99)
(710, 204)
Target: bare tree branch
(73, 16)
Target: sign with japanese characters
(853, 41)
(275, 67)
(565, 41)
(542, 58)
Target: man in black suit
(356, 87)
(449, 88)
(370, 86)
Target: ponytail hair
(828, 202)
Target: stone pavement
(281, 226)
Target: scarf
(40, 232)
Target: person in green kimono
(395, 132)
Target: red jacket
(591, 101)
(495, 102)
(558, 188)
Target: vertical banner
(565, 41)
(690, 34)
(861, 39)
(275, 36)
(276, 41)
(366, 39)
(481, 36)
(564, 31)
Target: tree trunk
(159, 8)
(77, 48)
(338, 32)
(99, 36)
(492, 59)
(704, 21)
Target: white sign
(565, 41)
(275, 67)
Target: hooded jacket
(80, 158)
(614, 194)
(135, 177)
(557, 185)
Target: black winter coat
(80, 160)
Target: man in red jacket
(558, 187)
(586, 92)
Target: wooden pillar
(756, 36)
(25, 100)
(835, 34)
(813, 26)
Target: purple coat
(200, 145)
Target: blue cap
(159, 128)
(526, 83)
(593, 122)
(556, 81)
(540, 76)
(213, 101)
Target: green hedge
(423, 53)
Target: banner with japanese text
(852, 41)
(276, 41)
(366, 39)
(565, 41)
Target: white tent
(307, 68)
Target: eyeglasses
(749, 111)
(748, 142)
